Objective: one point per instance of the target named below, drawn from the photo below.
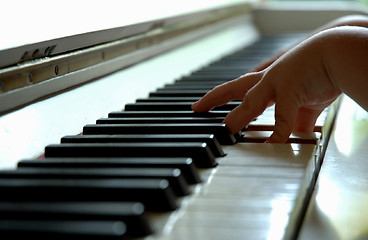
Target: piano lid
(36, 29)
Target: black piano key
(194, 79)
(223, 63)
(61, 229)
(178, 93)
(121, 114)
(195, 87)
(240, 68)
(172, 106)
(220, 130)
(155, 194)
(131, 213)
(209, 139)
(174, 176)
(167, 99)
(185, 165)
(199, 152)
(246, 57)
(159, 120)
(201, 85)
(226, 75)
(222, 71)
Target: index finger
(222, 94)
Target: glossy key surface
(160, 120)
(186, 165)
(168, 99)
(176, 180)
(62, 229)
(209, 139)
(131, 213)
(120, 114)
(199, 152)
(161, 196)
(178, 93)
(171, 106)
(220, 130)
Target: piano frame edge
(39, 78)
(311, 175)
(337, 209)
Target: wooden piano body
(258, 191)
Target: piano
(98, 141)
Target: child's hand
(298, 83)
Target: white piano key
(266, 121)
(253, 199)
(261, 136)
(224, 220)
(221, 233)
(243, 186)
(252, 204)
(264, 171)
(194, 225)
(288, 155)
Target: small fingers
(286, 112)
(254, 103)
(306, 120)
(220, 95)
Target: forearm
(351, 20)
(346, 61)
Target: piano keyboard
(156, 170)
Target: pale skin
(301, 82)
